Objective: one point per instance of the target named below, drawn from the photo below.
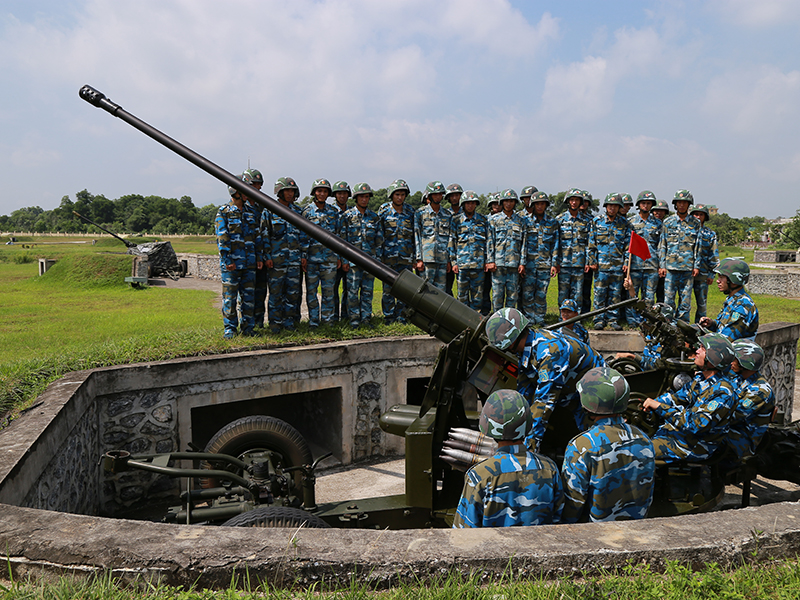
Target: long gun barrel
(88, 220)
(430, 308)
(592, 313)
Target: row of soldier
(504, 260)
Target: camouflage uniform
(239, 243)
(752, 414)
(253, 176)
(608, 473)
(284, 246)
(398, 252)
(505, 247)
(708, 261)
(364, 232)
(644, 273)
(607, 248)
(513, 487)
(432, 236)
(541, 255)
(321, 266)
(340, 302)
(573, 244)
(677, 253)
(468, 252)
(738, 318)
(576, 330)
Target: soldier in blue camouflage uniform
(574, 230)
(697, 417)
(588, 275)
(651, 354)
(569, 310)
(515, 486)
(608, 470)
(756, 401)
(362, 228)
(525, 197)
(608, 244)
(468, 251)
(283, 253)
(708, 260)
(627, 205)
(677, 254)
(239, 244)
(321, 262)
(494, 208)
(550, 364)
(397, 220)
(432, 226)
(341, 193)
(254, 178)
(660, 211)
(453, 197)
(505, 248)
(739, 316)
(541, 257)
(643, 274)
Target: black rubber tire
(259, 432)
(276, 516)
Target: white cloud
(756, 13)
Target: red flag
(638, 246)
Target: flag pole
(631, 293)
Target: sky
(613, 96)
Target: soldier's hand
(709, 280)
(270, 264)
(627, 283)
(259, 264)
(420, 265)
(304, 264)
(662, 273)
(650, 404)
(450, 268)
(492, 267)
(231, 267)
(554, 271)
(521, 269)
(695, 272)
(345, 267)
(455, 269)
(705, 322)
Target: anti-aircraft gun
(266, 482)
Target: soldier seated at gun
(658, 326)
(569, 310)
(756, 401)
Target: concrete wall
(774, 256)
(775, 283)
(203, 266)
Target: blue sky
(607, 96)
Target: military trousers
(262, 281)
(470, 288)
(644, 287)
(284, 296)
(679, 283)
(607, 291)
(570, 285)
(673, 448)
(505, 288)
(340, 310)
(359, 295)
(238, 290)
(391, 307)
(436, 273)
(322, 276)
(534, 294)
(700, 287)
(486, 305)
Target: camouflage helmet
(362, 188)
(504, 327)
(627, 199)
(749, 354)
(232, 190)
(398, 185)
(604, 391)
(321, 183)
(574, 193)
(453, 188)
(719, 350)
(528, 191)
(506, 416)
(469, 196)
(569, 304)
(434, 187)
(683, 195)
(509, 194)
(285, 183)
(661, 205)
(666, 310)
(253, 177)
(646, 195)
(540, 197)
(342, 186)
(493, 198)
(701, 208)
(735, 269)
(613, 199)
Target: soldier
(643, 274)
(341, 193)
(756, 401)
(574, 230)
(627, 205)
(651, 354)
(569, 310)
(541, 257)
(397, 220)
(468, 251)
(739, 316)
(608, 244)
(608, 470)
(696, 418)
(432, 226)
(505, 247)
(550, 364)
(486, 306)
(515, 486)
(321, 262)
(239, 244)
(677, 254)
(254, 178)
(362, 228)
(453, 197)
(494, 203)
(660, 211)
(588, 276)
(525, 197)
(283, 254)
(708, 260)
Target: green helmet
(627, 199)
(613, 199)
(453, 188)
(528, 191)
(434, 187)
(342, 186)
(493, 198)
(701, 208)
(362, 188)
(666, 310)
(538, 196)
(253, 177)
(574, 193)
(735, 269)
(646, 195)
(469, 196)
(719, 350)
(509, 194)
(683, 195)
(285, 183)
(749, 354)
(504, 327)
(660, 205)
(570, 304)
(604, 391)
(398, 185)
(506, 416)
(232, 190)
(321, 183)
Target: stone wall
(779, 341)
(776, 283)
(774, 256)
(202, 266)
